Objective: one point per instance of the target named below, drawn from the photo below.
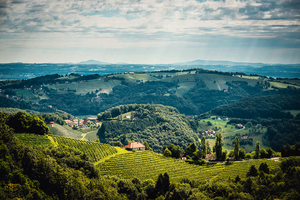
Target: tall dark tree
(190, 149)
(252, 171)
(236, 148)
(218, 146)
(203, 147)
(257, 150)
(208, 147)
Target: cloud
(144, 23)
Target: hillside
(94, 150)
(33, 168)
(192, 91)
(264, 106)
(157, 124)
(135, 164)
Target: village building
(135, 146)
(239, 126)
(210, 156)
(209, 133)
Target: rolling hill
(192, 91)
(157, 124)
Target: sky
(149, 31)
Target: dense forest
(158, 125)
(263, 106)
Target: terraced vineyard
(96, 151)
(33, 139)
(148, 165)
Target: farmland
(229, 131)
(135, 164)
(33, 139)
(95, 150)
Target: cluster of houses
(243, 137)
(80, 122)
(220, 118)
(210, 133)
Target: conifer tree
(218, 146)
(203, 147)
(236, 148)
(257, 146)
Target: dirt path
(218, 86)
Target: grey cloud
(3, 4)
(37, 8)
(17, 1)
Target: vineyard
(96, 151)
(33, 139)
(148, 165)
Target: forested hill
(192, 91)
(157, 124)
(263, 106)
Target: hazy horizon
(150, 32)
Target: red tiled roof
(134, 145)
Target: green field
(64, 131)
(33, 139)
(229, 130)
(95, 150)
(293, 112)
(87, 134)
(88, 86)
(148, 165)
(282, 85)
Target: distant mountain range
(216, 62)
(194, 62)
(20, 70)
(92, 62)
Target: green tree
(203, 147)
(248, 125)
(167, 152)
(263, 153)
(118, 144)
(257, 146)
(236, 148)
(264, 167)
(218, 146)
(209, 123)
(242, 153)
(147, 147)
(190, 149)
(162, 184)
(252, 171)
(131, 115)
(208, 148)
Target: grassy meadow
(229, 131)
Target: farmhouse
(239, 126)
(210, 156)
(135, 146)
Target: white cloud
(128, 24)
